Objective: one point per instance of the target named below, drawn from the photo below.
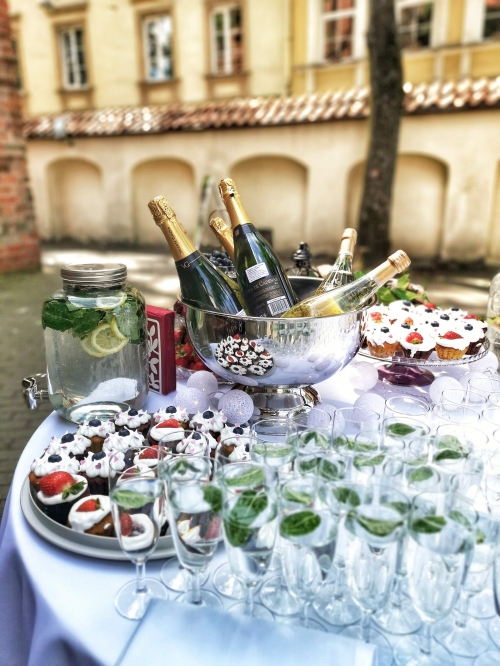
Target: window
(157, 35)
(415, 24)
(73, 58)
(338, 28)
(492, 20)
(227, 40)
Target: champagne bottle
(202, 285)
(351, 296)
(266, 289)
(341, 272)
(224, 235)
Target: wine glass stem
(338, 589)
(397, 595)
(196, 588)
(140, 568)
(365, 627)
(305, 613)
(249, 600)
(426, 639)
(462, 610)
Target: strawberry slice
(414, 338)
(431, 305)
(56, 483)
(90, 505)
(149, 454)
(126, 524)
(451, 335)
(169, 423)
(470, 316)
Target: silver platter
(89, 545)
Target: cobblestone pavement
(21, 338)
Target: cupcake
(137, 531)
(133, 419)
(195, 444)
(475, 331)
(92, 515)
(136, 470)
(451, 346)
(147, 457)
(180, 414)
(95, 468)
(382, 343)
(232, 438)
(416, 345)
(123, 440)
(209, 421)
(75, 445)
(161, 430)
(51, 462)
(96, 430)
(59, 491)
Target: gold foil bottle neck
(160, 208)
(219, 225)
(224, 235)
(227, 188)
(348, 241)
(400, 260)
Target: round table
(56, 608)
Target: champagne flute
(250, 516)
(492, 658)
(456, 414)
(397, 431)
(457, 397)
(374, 528)
(195, 506)
(406, 405)
(137, 507)
(350, 421)
(308, 527)
(442, 536)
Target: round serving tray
(405, 371)
(89, 545)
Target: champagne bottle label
(256, 272)
(265, 296)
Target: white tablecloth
(56, 608)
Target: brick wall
(19, 243)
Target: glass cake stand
(404, 371)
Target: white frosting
(379, 338)
(193, 447)
(180, 414)
(158, 434)
(143, 539)
(116, 462)
(124, 419)
(477, 332)
(396, 307)
(77, 447)
(214, 423)
(458, 343)
(456, 314)
(117, 442)
(148, 462)
(41, 466)
(95, 468)
(57, 499)
(81, 521)
(239, 454)
(102, 430)
(231, 438)
(425, 345)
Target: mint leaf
(450, 442)
(129, 499)
(181, 467)
(84, 321)
(459, 518)
(330, 470)
(127, 320)
(368, 461)
(56, 315)
(346, 496)
(248, 506)
(73, 490)
(306, 466)
(297, 496)
(299, 524)
(253, 477)
(399, 429)
(403, 281)
(400, 507)
(428, 524)
(380, 528)
(448, 454)
(213, 496)
(480, 537)
(236, 534)
(420, 474)
(385, 296)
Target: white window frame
(482, 37)
(404, 4)
(228, 64)
(78, 83)
(161, 59)
(326, 17)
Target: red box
(161, 349)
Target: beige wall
(298, 180)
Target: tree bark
(386, 79)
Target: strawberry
(197, 365)
(90, 505)
(169, 423)
(126, 524)
(182, 362)
(408, 320)
(376, 316)
(414, 338)
(150, 453)
(470, 316)
(213, 529)
(56, 483)
(451, 335)
(431, 305)
(188, 350)
(178, 335)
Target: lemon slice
(104, 341)
(110, 302)
(116, 330)
(87, 346)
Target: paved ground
(21, 338)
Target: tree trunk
(386, 79)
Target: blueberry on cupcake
(75, 445)
(134, 419)
(95, 468)
(97, 431)
(51, 462)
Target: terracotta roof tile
(433, 97)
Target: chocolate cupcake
(97, 431)
(95, 468)
(180, 414)
(210, 422)
(164, 428)
(59, 491)
(92, 515)
(135, 420)
(123, 440)
(235, 443)
(51, 462)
